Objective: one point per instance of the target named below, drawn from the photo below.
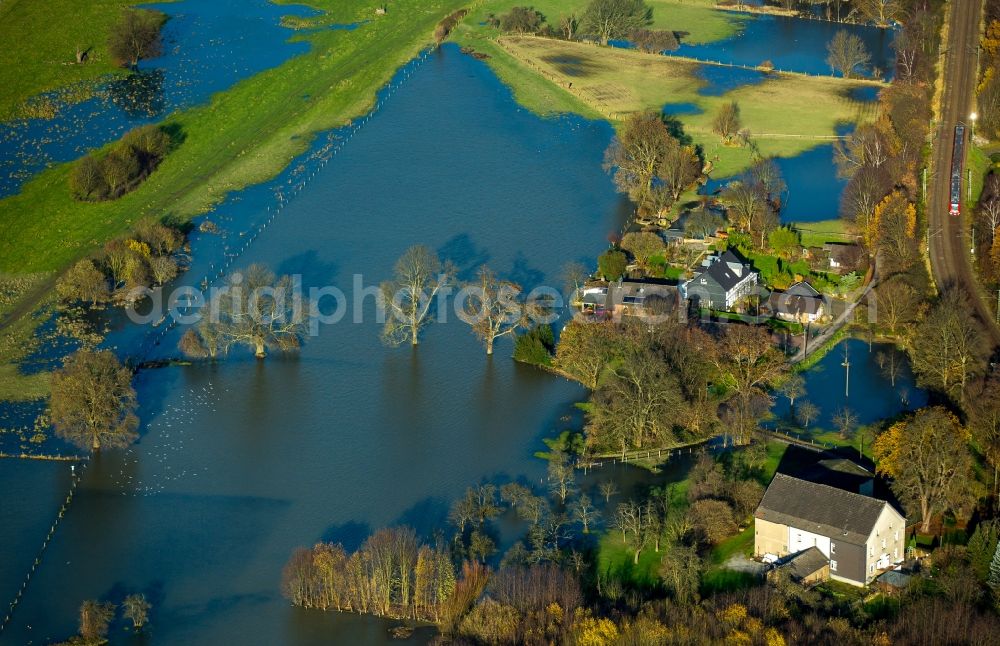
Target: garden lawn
(786, 114)
(816, 234)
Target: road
(948, 243)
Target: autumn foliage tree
(391, 575)
(93, 403)
(927, 456)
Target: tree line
(108, 175)
(602, 20)
(148, 256)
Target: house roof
(634, 292)
(842, 251)
(820, 509)
(805, 563)
(800, 298)
(727, 270)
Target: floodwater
(864, 388)
(242, 461)
(814, 188)
(792, 45)
(207, 47)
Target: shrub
(611, 264)
(535, 346)
(133, 158)
(654, 41)
(522, 20)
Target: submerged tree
(494, 308)
(418, 277)
(256, 309)
(95, 617)
(93, 403)
(136, 608)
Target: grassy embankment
(614, 557)
(243, 136)
(697, 18)
(44, 58)
(787, 114)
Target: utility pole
(969, 185)
(847, 373)
(925, 184)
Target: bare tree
(881, 12)
(136, 36)
(846, 53)
(927, 456)
(793, 387)
(806, 413)
(561, 476)
(256, 309)
(418, 277)
(727, 121)
(494, 308)
(136, 608)
(948, 348)
(890, 363)
(584, 511)
(609, 19)
(608, 488)
(846, 422)
(95, 617)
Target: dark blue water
(792, 45)
(208, 45)
(721, 80)
(869, 393)
(241, 461)
(814, 189)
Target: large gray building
(721, 282)
(860, 535)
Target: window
(883, 543)
(871, 568)
(833, 566)
(833, 548)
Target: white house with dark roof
(721, 282)
(860, 535)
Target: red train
(957, 161)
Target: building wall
(769, 538)
(847, 562)
(709, 295)
(887, 543)
(800, 539)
